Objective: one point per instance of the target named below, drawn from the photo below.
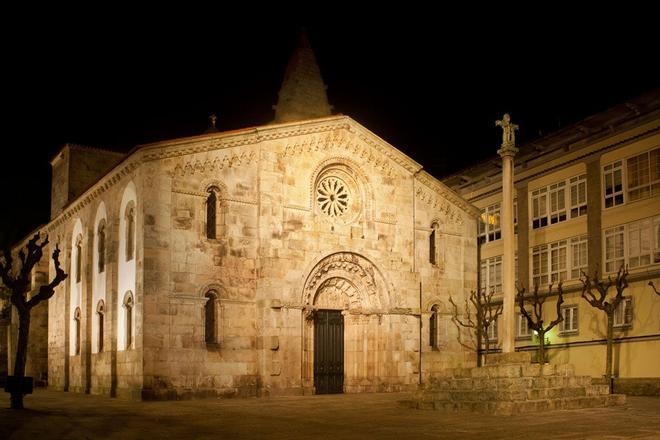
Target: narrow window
(433, 256)
(100, 311)
(433, 327)
(101, 247)
(570, 322)
(623, 313)
(210, 333)
(557, 202)
(643, 174)
(492, 331)
(211, 213)
(128, 306)
(130, 233)
(578, 256)
(76, 319)
(79, 259)
(613, 184)
(614, 250)
(522, 330)
(578, 196)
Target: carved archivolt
(350, 274)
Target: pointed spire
(303, 93)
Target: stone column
(507, 152)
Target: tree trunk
(610, 343)
(21, 356)
(541, 351)
(479, 337)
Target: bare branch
(654, 289)
(48, 290)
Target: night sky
(432, 86)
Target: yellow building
(587, 199)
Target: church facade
(294, 258)
(305, 256)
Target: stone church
(304, 256)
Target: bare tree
(536, 321)
(18, 282)
(654, 289)
(608, 306)
(485, 316)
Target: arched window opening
(101, 247)
(130, 232)
(433, 327)
(79, 259)
(433, 254)
(210, 318)
(211, 212)
(128, 310)
(76, 322)
(100, 311)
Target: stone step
(517, 407)
(510, 383)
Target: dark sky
(430, 84)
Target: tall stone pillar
(507, 152)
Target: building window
(540, 265)
(101, 246)
(636, 244)
(552, 204)
(578, 195)
(100, 312)
(613, 184)
(433, 327)
(492, 331)
(640, 243)
(210, 318)
(570, 322)
(489, 224)
(522, 330)
(558, 261)
(76, 323)
(130, 232)
(540, 208)
(491, 274)
(211, 212)
(614, 250)
(579, 253)
(128, 315)
(79, 259)
(623, 314)
(433, 255)
(557, 202)
(643, 175)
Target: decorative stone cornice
(122, 170)
(440, 189)
(191, 167)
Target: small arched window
(433, 253)
(128, 310)
(210, 318)
(79, 259)
(212, 212)
(101, 246)
(100, 312)
(76, 323)
(433, 327)
(130, 232)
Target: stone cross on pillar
(507, 152)
(213, 119)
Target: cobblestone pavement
(53, 414)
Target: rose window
(333, 196)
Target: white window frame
(522, 328)
(549, 255)
(652, 186)
(558, 274)
(489, 274)
(610, 170)
(557, 203)
(578, 204)
(539, 208)
(492, 331)
(490, 228)
(577, 264)
(625, 253)
(571, 321)
(624, 313)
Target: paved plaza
(357, 416)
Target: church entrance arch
(345, 298)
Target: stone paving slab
(60, 415)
